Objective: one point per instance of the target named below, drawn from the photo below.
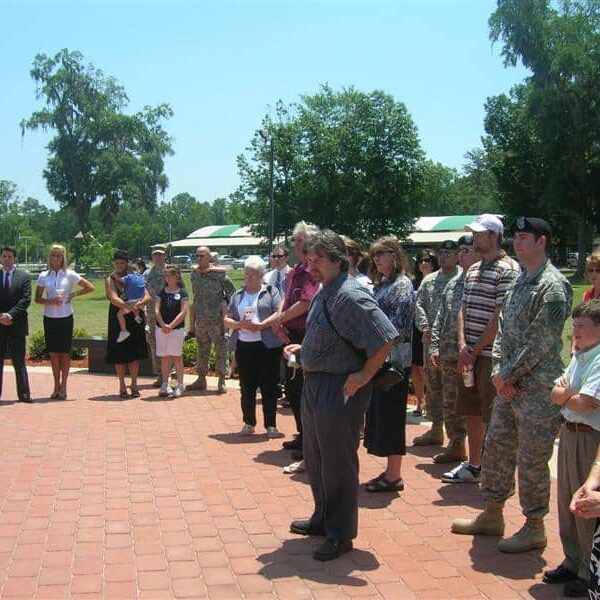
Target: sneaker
(164, 390)
(247, 429)
(273, 432)
(123, 336)
(177, 391)
(295, 467)
(464, 473)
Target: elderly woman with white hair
(252, 312)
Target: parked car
(182, 260)
(225, 260)
(572, 260)
(238, 263)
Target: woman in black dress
(425, 262)
(128, 353)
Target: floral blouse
(396, 298)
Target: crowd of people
(342, 332)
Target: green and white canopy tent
(434, 230)
(221, 236)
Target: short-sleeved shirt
(170, 305)
(135, 286)
(52, 281)
(486, 284)
(300, 287)
(361, 328)
(583, 374)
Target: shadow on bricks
(236, 438)
(294, 559)
(277, 458)
(459, 494)
(374, 501)
(486, 558)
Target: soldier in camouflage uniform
(429, 297)
(212, 291)
(443, 352)
(155, 282)
(524, 423)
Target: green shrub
(37, 345)
(189, 355)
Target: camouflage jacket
(211, 289)
(444, 333)
(155, 281)
(429, 297)
(528, 344)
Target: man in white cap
(155, 282)
(485, 285)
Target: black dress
(134, 347)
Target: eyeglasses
(426, 259)
(277, 255)
(380, 253)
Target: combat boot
(532, 535)
(199, 384)
(433, 437)
(453, 453)
(489, 522)
(221, 387)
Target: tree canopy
(98, 153)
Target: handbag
(386, 377)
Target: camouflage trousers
(520, 435)
(433, 394)
(456, 426)
(151, 339)
(207, 334)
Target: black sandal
(383, 485)
(375, 479)
(123, 394)
(135, 393)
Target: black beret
(532, 225)
(448, 245)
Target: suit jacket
(20, 299)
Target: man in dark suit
(15, 297)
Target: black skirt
(417, 348)
(134, 347)
(385, 425)
(58, 333)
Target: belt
(579, 427)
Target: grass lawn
(91, 311)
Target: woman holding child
(58, 283)
(129, 352)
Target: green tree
(556, 110)
(98, 153)
(346, 160)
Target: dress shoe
(576, 588)
(297, 454)
(559, 575)
(26, 399)
(331, 549)
(305, 528)
(293, 444)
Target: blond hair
(58, 248)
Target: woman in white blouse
(59, 283)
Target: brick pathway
(153, 498)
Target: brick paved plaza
(156, 498)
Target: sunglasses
(427, 259)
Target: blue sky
(221, 64)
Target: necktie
(278, 284)
(6, 284)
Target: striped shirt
(486, 284)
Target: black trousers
(331, 438)
(294, 380)
(258, 366)
(15, 346)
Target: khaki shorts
(477, 400)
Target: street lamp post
(25, 237)
(269, 138)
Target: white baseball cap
(486, 222)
